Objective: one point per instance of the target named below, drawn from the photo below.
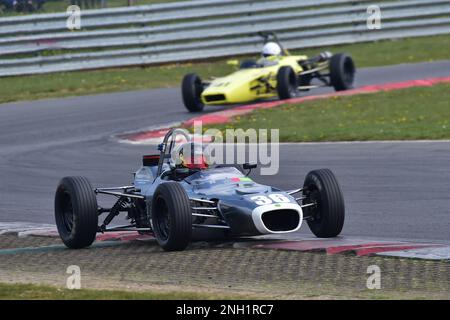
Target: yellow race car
(275, 74)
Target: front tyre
(171, 216)
(342, 71)
(287, 83)
(326, 217)
(76, 212)
(191, 90)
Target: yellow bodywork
(249, 84)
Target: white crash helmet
(271, 49)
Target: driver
(270, 55)
(190, 155)
(271, 50)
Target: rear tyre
(326, 218)
(342, 71)
(171, 216)
(191, 90)
(287, 83)
(76, 212)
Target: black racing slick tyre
(171, 216)
(287, 83)
(326, 217)
(342, 71)
(191, 90)
(76, 212)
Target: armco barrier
(202, 29)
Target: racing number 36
(271, 198)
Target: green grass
(407, 114)
(398, 51)
(100, 81)
(20, 291)
(44, 292)
(123, 79)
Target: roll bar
(162, 147)
(266, 35)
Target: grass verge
(124, 79)
(407, 114)
(19, 291)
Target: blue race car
(177, 191)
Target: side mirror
(249, 166)
(233, 63)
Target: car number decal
(271, 198)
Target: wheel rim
(162, 225)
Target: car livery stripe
(241, 179)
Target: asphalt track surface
(392, 190)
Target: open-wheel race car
(276, 74)
(178, 191)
